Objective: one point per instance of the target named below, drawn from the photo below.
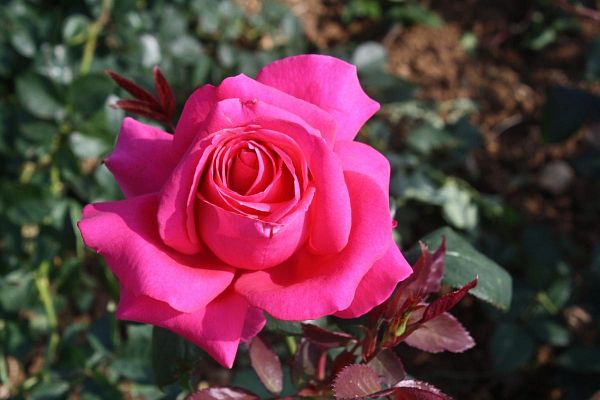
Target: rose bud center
(255, 191)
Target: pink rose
(261, 201)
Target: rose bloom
(260, 201)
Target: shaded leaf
(305, 363)
(267, 365)
(413, 390)
(171, 355)
(326, 338)
(566, 110)
(342, 360)
(283, 327)
(442, 333)
(388, 366)
(581, 359)
(356, 381)
(463, 262)
(511, 347)
(38, 97)
(222, 393)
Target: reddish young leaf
(133, 88)
(267, 365)
(165, 94)
(388, 366)
(343, 359)
(326, 338)
(412, 390)
(356, 381)
(305, 363)
(447, 301)
(442, 333)
(220, 393)
(141, 108)
(369, 344)
(426, 278)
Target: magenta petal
(247, 89)
(216, 328)
(195, 110)
(250, 243)
(125, 233)
(362, 158)
(309, 286)
(255, 322)
(331, 215)
(142, 160)
(379, 283)
(176, 220)
(328, 82)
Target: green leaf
(75, 29)
(87, 94)
(581, 359)
(565, 111)
(511, 347)
(369, 55)
(88, 147)
(172, 356)
(134, 356)
(283, 327)
(428, 138)
(592, 65)
(550, 332)
(457, 207)
(464, 263)
(22, 40)
(38, 97)
(15, 289)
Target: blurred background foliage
(490, 118)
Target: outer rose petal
(217, 328)
(255, 322)
(195, 110)
(364, 159)
(125, 233)
(201, 102)
(379, 283)
(245, 88)
(328, 82)
(308, 286)
(142, 160)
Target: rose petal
(176, 221)
(200, 103)
(308, 286)
(364, 159)
(379, 283)
(255, 322)
(206, 327)
(125, 233)
(331, 205)
(250, 243)
(195, 110)
(327, 82)
(248, 89)
(142, 160)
